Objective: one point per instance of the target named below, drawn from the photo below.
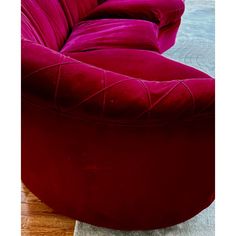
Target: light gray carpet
(194, 46)
(200, 225)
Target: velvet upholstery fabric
(166, 14)
(136, 63)
(47, 20)
(112, 33)
(76, 10)
(113, 133)
(159, 11)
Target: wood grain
(37, 219)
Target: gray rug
(200, 225)
(195, 47)
(195, 44)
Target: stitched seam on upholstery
(38, 25)
(74, 61)
(148, 94)
(191, 94)
(50, 21)
(33, 30)
(47, 67)
(126, 123)
(164, 96)
(35, 24)
(60, 40)
(97, 93)
(66, 10)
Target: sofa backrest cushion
(75, 10)
(28, 31)
(44, 22)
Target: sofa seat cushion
(165, 13)
(140, 64)
(159, 11)
(112, 33)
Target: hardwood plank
(38, 219)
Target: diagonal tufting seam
(191, 94)
(147, 94)
(107, 121)
(151, 104)
(154, 104)
(47, 67)
(143, 83)
(55, 32)
(34, 23)
(25, 20)
(96, 93)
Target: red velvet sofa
(113, 133)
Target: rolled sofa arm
(106, 172)
(53, 80)
(159, 11)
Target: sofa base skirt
(118, 176)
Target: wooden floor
(37, 219)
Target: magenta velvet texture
(77, 9)
(112, 33)
(165, 13)
(113, 133)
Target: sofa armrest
(161, 12)
(73, 88)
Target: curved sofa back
(48, 22)
(77, 9)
